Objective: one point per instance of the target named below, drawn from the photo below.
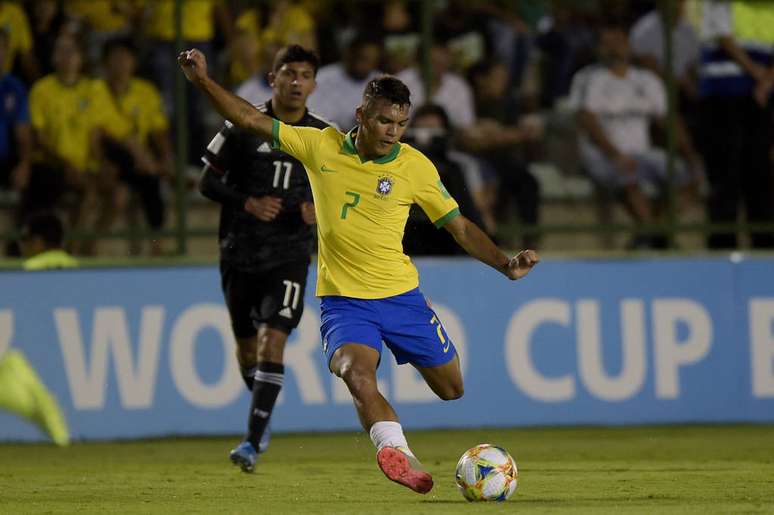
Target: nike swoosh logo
(326, 169)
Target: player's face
(292, 84)
(382, 124)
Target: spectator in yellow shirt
(145, 156)
(69, 113)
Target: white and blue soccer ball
(487, 473)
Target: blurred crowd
(88, 103)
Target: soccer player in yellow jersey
(364, 183)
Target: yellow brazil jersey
(362, 207)
(198, 24)
(64, 117)
(15, 23)
(142, 109)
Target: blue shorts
(405, 323)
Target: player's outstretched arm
(238, 111)
(480, 246)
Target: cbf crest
(384, 185)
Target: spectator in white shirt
(615, 103)
(340, 85)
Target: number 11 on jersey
(278, 166)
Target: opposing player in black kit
(266, 238)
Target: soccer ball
(486, 473)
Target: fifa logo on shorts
(384, 186)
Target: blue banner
(148, 352)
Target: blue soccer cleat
(244, 455)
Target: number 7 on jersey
(347, 205)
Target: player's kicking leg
(416, 335)
(23, 393)
(445, 380)
(356, 364)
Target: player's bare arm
(480, 246)
(238, 111)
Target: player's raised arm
(238, 111)
(480, 246)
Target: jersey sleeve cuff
(275, 128)
(448, 217)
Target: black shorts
(274, 297)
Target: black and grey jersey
(246, 165)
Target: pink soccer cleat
(398, 467)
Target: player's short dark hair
(387, 88)
(122, 43)
(433, 110)
(295, 54)
(46, 226)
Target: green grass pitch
(688, 469)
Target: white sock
(389, 434)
